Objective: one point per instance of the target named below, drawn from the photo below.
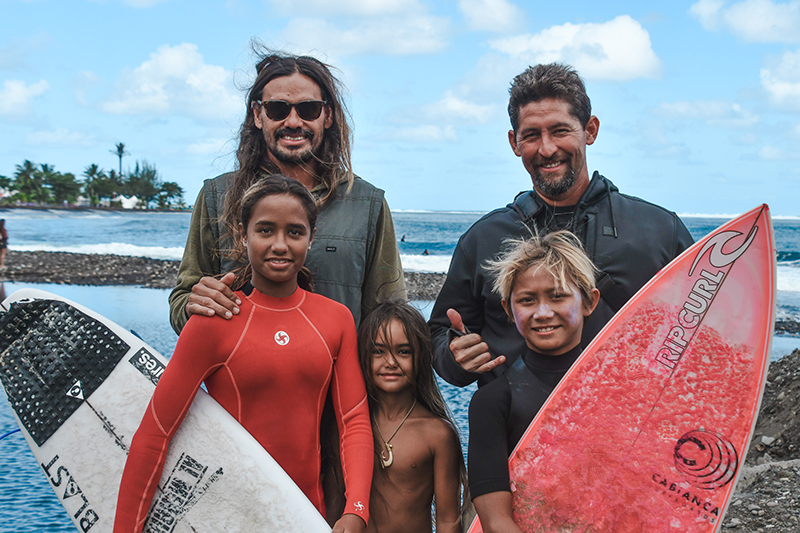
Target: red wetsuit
(270, 367)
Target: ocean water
(28, 504)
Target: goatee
(555, 187)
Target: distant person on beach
(270, 367)
(296, 125)
(546, 286)
(3, 242)
(627, 238)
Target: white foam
(426, 263)
(789, 278)
(113, 248)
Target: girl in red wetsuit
(270, 366)
(417, 451)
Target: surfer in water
(547, 288)
(417, 451)
(270, 366)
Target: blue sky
(699, 102)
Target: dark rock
(92, 269)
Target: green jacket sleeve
(199, 259)
(384, 276)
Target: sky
(698, 102)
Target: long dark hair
(332, 163)
(268, 186)
(423, 381)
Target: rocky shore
(91, 269)
(767, 497)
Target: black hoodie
(628, 239)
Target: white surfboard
(79, 384)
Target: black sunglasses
(280, 109)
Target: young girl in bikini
(418, 456)
(269, 366)
(547, 287)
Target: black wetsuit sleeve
(488, 447)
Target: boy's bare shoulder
(435, 427)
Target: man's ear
(592, 128)
(512, 140)
(328, 116)
(588, 307)
(256, 110)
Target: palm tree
(170, 193)
(45, 175)
(120, 152)
(27, 182)
(92, 173)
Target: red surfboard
(648, 430)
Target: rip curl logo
(282, 338)
(714, 265)
(706, 460)
(359, 506)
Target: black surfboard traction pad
(52, 358)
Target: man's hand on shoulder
(469, 350)
(212, 296)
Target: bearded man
(627, 238)
(295, 125)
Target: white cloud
(454, 109)
(207, 147)
(782, 80)
(394, 36)
(617, 50)
(424, 134)
(345, 7)
(708, 12)
(491, 15)
(16, 97)
(761, 21)
(771, 153)
(716, 112)
(60, 137)
(176, 80)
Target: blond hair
(560, 253)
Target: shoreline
(104, 269)
(67, 268)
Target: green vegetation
(41, 184)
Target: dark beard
(554, 189)
(293, 156)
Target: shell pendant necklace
(387, 458)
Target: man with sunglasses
(295, 125)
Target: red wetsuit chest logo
(282, 338)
